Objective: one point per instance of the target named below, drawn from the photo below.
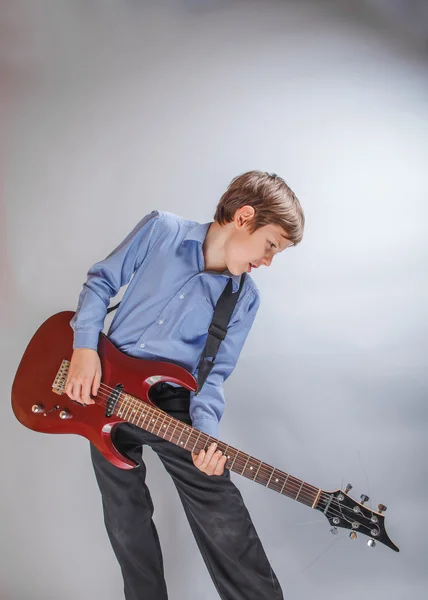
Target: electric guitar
(39, 403)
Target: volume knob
(64, 414)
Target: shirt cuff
(86, 339)
(208, 426)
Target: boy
(180, 269)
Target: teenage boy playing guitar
(180, 269)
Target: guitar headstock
(343, 511)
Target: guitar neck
(159, 423)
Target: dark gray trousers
(220, 522)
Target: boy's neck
(213, 247)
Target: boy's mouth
(251, 266)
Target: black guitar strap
(217, 330)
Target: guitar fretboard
(159, 423)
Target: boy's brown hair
(273, 201)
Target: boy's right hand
(84, 375)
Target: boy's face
(245, 251)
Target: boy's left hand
(210, 462)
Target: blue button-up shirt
(168, 305)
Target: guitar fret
(122, 405)
(149, 422)
(160, 426)
(172, 435)
(132, 407)
(293, 484)
(285, 481)
(119, 406)
(233, 462)
(257, 472)
(210, 440)
(299, 490)
(133, 415)
(245, 466)
(141, 417)
(126, 406)
(147, 415)
(167, 427)
(197, 440)
(140, 414)
(227, 454)
(128, 401)
(316, 498)
(271, 475)
(188, 437)
(178, 441)
(155, 420)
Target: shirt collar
(198, 234)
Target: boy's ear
(244, 215)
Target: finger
(212, 465)
(195, 458)
(209, 454)
(199, 458)
(74, 392)
(96, 383)
(68, 388)
(77, 392)
(85, 389)
(220, 466)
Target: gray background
(112, 109)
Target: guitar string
(194, 435)
(137, 403)
(140, 404)
(131, 403)
(339, 537)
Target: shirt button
(142, 345)
(181, 296)
(161, 321)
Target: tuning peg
(348, 488)
(353, 535)
(371, 543)
(381, 508)
(364, 498)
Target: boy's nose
(267, 260)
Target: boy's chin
(237, 270)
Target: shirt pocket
(196, 320)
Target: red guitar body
(33, 386)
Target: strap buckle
(217, 331)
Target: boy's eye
(272, 245)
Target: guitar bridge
(58, 385)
